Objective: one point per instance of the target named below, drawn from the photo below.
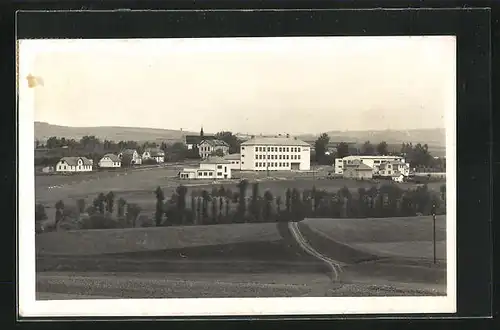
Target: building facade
(206, 148)
(372, 161)
(130, 157)
(213, 168)
(234, 160)
(154, 153)
(74, 164)
(275, 154)
(393, 168)
(358, 170)
(110, 161)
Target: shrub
(149, 161)
(145, 221)
(70, 212)
(99, 221)
(40, 213)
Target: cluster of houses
(368, 167)
(275, 153)
(127, 157)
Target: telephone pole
(434, 231)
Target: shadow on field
(361, 266)
(249, 257)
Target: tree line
(95, 148)
(223, 206)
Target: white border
(29, 307)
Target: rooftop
(371, 157)
(113, 157)
(195, 139)
(275, 141)
(233, 157)
(215, 142)
(73, 161)
(215, 160)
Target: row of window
(277, 157)
(205, 174)
(376, 161)
(272, 164)
(80, 167)
(277, 149)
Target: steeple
(201, 131)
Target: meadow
(244, 260)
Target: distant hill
(435, 137)
(44, 130)
(432, 136)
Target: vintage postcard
(237, 176)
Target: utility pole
(434, 231)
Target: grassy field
(244, 260)
(94, 242)
(397, 250)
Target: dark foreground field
(240, 260)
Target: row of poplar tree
(222, 205)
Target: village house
(234, 160)
(110, 161)
(393, 168)
(374, 162)
(154, 153)
(275, 154)
(130, 157)
(207, 148)
(212, 168)
(193, 141)
(358, 170)
(74, 164)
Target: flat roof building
(275, 154)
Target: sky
(248, 85)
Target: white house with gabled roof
(74, 164)
(275, 154)
(110, 161)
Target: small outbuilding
(358, 170)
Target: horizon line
(248, 133)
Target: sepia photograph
(237, 176)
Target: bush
(71, 212)
(145, 221)
(40, 213)
(149, 161)
(99, 221)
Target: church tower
(201, 131)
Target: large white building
(381, 165)
(275, 154)
(212, 168)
